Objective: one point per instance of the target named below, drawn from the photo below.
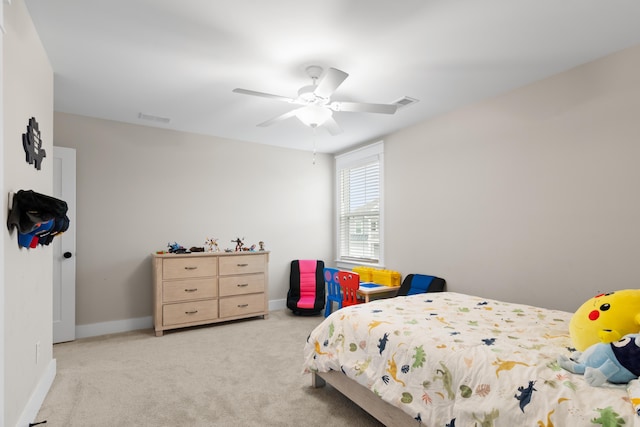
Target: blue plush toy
(617, 362)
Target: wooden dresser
(208, 287)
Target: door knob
(67, 255)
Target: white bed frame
(384, 412)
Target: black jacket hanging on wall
(38, 218)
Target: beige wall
(531, 197)
(28, 92)
(139, 188)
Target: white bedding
(450, 359)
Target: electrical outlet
(37, 352)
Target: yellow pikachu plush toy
(606, 318)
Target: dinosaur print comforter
(450, 359)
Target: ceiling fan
(315, 101)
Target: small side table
(367, 289)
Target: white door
(64, 248)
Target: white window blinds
(359, 182)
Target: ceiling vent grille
(405, 102)
(153, 118)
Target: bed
(449, 359)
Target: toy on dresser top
(175, 248)
(210, 245)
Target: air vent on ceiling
(153, 118)
(405, 102)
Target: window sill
(350, 264)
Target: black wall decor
(32, 143)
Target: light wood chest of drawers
(203, 287)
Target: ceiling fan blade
(330, 82)
(332, 126)
(279, 118)
(263, 95)
(360, 107)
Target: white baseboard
(113, 327)
(117, 326)
(34, 404)
(277, 304)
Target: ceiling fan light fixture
(315, 101)
(313, 115)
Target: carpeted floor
(244, 373)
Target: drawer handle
(191, 268)
(191, 290)
(242, 265)
(242, 285)
(191, 312)
(243, 305)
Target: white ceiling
(114, 59)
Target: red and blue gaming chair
(306, 287)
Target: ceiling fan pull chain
(314, 144)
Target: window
(359, 205)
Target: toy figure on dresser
(175, 248)
(239, 244)
(261, 243)
(212, 245)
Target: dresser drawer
(239, 285)
(241, 305)
(184, 290)
(183, 268)
(187, 312)
(241, 264)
